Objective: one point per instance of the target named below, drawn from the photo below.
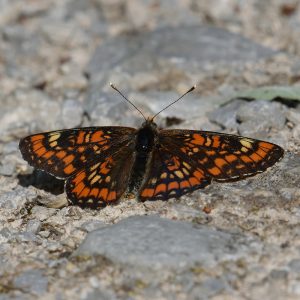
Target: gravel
(228, 241)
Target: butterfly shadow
(42, 180)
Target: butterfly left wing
(65, 152)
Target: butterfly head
(149, 123)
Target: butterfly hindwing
(103, 182)
(223, 157)
(170, 176)
(62, 153)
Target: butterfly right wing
(63, 153)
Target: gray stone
(72, 113)
(5, 232)
(150, 241)
(226, 115)
(258, 117)
(17, 198)
(193, 46)
(7, 166)
(38, 112)
(91, 225)
(102, 294)
(294, 265)
(33, 226)
(156, 101)
(25, 236)
(32, 281)
(208, 288)
(110, 109)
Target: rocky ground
(229, 241)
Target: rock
(209, 288)
(91, 225)
(257, 118)
(226, 115)
(32, 281)
(294, 266)
(102, 294)
(72, 113)
(33, 226)
(153, 242)
(37, 110)
(187, 46)
(17, 198)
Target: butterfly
(102, 164)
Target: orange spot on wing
(147, 193)
(80, 137)
(160, 188)
(211, 152)
(266, 145)
(246, 159)
(261, 153)
(198, 139)
(68, 159)
(198, 174)
(230, 158)
(48, 154)
(184, 184)
(194, 181)
(220, 162)
(61, 154)
(112, 196)
(214, 171)
(85, 192)
(37, 137)
(69, 169)
(78, 188)
(103, 193)
(255, 157)
(94, 192)
(79, 177)
(97, 137)
(173, 185)
(216, 141)
(104, 170)
(81, 149)
(37, 146)
(41, 151)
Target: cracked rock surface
(235, 240)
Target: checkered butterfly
(100, 164)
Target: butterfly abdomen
(145, 141)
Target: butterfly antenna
(127, 100)
(190, 90)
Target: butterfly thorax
(146, 139)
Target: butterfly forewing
(65, 152)
(223, 157)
